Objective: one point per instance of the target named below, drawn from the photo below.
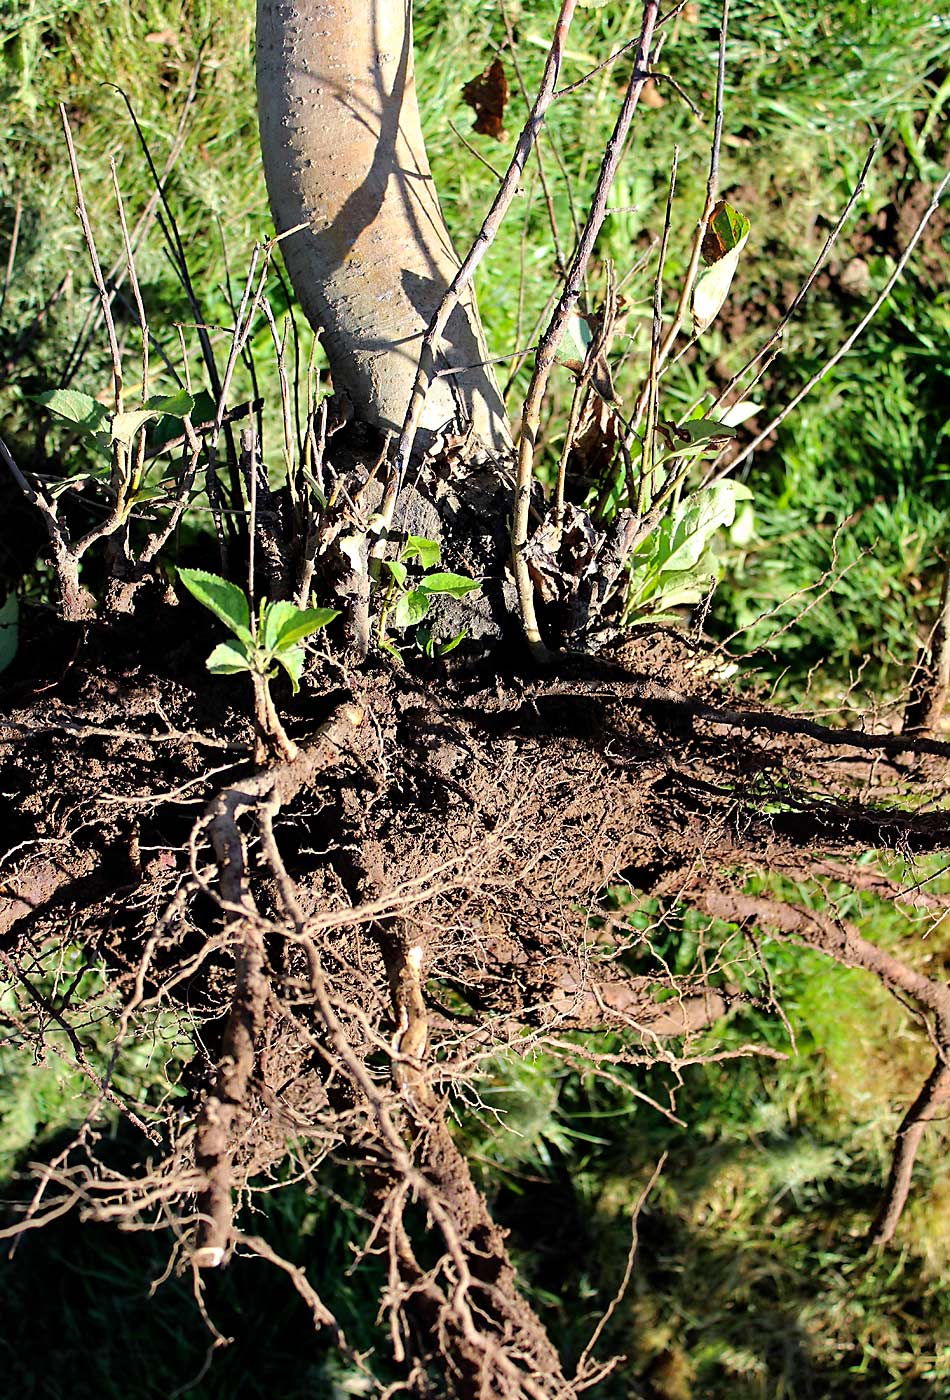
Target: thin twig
(483, 241)
(859, 329)
(551, 339)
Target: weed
(262, 643)
(406, 600)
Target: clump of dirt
(354, 930)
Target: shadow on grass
(85, 1316)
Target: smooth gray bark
(343, 153)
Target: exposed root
(840, 941)
(931, 1104)
(222, 1109)
(221, 1113)
(421, 885)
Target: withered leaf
(595, 444)
(487, 95)
(727, 229)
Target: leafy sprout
(272, 639)
(120, 435)
(676, 566)
(407, 601)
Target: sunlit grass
(751, 1281)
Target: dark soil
(353, 931)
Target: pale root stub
(344, 154)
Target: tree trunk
(344, 155)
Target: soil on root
(352, 934)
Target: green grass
(47, 1093)
(797, 127)
(750, 1282)
(856, 487)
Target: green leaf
(424, 641)
(285, 623)
(711, 290)
(682, 590)
(69, 483)
(706, 429)
(9, 630)
(575, 341)
(725, 239)
(272, 615)
(205, 409)
(410, 609)
(743, 529)
(727, 230)
(124, 426)
(695, 519)
(654, 592)
(81, 410)
(293, 660)
(676, 566)
(428, 552)
(168, 426)
(227, 659)
(171, 405)
(444, 648)
(224, 599)
(691, 439)
(398, 571)
(457, 585)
